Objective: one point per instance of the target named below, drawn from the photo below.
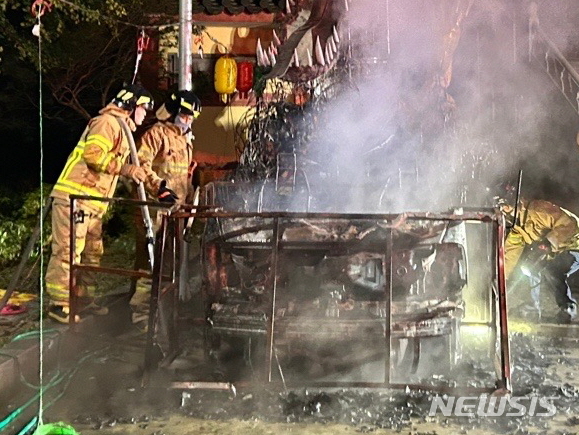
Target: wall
(215, 129)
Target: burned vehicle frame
(284, 290)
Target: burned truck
(335, 281)
(311, 267)
(358, 299)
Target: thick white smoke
(380, 136)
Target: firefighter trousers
(556, 274)
(88, 249)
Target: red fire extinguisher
(244, 78)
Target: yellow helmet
(131, 96)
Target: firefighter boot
(61, 313)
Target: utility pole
(185, 34)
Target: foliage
(17, 224)
(18, 219)
(88, 47)
(11, 236)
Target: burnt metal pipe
(154, 301)
(502, 305)
(271, 324)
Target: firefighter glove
(134, 172)
(165, 194)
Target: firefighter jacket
(165, 153)
(541, 221)
(94, 165)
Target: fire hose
(149, 234)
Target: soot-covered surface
(105, 398)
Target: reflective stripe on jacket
(166, 154)
(541, 220)
(93, 166)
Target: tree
(88, 47)
(88, 51)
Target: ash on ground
(541, 368)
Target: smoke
(399, 139)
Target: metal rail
(168, 274)
(391, 222)
(76, 268)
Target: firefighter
(166, 155)
(166, 149)
(93, 168)
(556, 230)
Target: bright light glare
(526, 271)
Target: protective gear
(166, 154)
(541, 221)
(95, 163)
(61, 313)
(131, 96)
(506, 195)
(134, 172)
(166, 195)
(93, 169)
(184, 102)
(184, 126)
(87, 250)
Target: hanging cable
(126, 23)
(39, 7)
(197, 30)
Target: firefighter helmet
(131, 96)
(184, 102)
(506, 195)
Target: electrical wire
(66, 377)
(198, 29)
(216, 41)
(22, 378)
(116, 20)
(41, 280)
(31, 425)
